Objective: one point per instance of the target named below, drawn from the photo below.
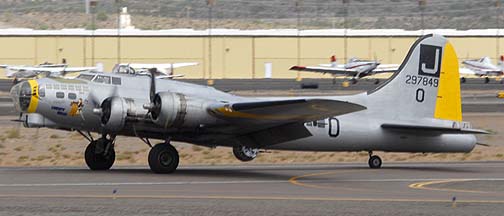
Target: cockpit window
(102, 79)
(25, 96)
(88, 77)
(42, 89)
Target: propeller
(154, 104)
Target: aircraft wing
(283, 111)
(386, 68)
(480, 72)
(329, 70)
(166, 65)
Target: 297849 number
(422, 80)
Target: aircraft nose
(21, 95)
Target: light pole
(210, 4)
(421, 4)
(345, 24)
(118, 5)
(497, 40)
(92, 6)
(298, 41)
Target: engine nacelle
(114, 111)
(175, 110)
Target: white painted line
(237, 182)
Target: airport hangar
(235, 54)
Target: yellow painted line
(224, 197)
(295, 180)
(425, 186)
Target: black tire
(487, 80)
(98, 161)
(374, 162)
(463, 80)
(377, 81)
(240, 155)
(354, 81)
(163, 158)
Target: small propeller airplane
(54, 70)
(354, 68)
(418, 109)
(482, 67)
(162, 70)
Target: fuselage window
(116, 80)
(42, 90)
(309, 124)
(321, 123)
(102, 79)
(72, 96)
(60, 95)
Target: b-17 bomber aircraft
(354, 68)
(417, 110)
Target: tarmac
(470, 188)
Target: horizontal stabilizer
(448, 130)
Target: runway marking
(294, 181)
(222, 197)
(142, 183)
(424, 185)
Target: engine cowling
(175, 110)
(114, 111)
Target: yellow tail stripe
(35, 96)
(448, 102)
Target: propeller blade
(152, 72)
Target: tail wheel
(487, 80)
(374, 162)
(96, 157)
(463, 80)
(163, 158)
(377, 81)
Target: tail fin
(426, 85)
(500, 62)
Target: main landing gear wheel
(163, 158)
(374, 162)
(244, 153)
(100, 154)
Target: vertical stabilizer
(426, 84)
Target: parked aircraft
(482, 67)
(354, 68)
(417, 110)
(55, 70)
(162, 70)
